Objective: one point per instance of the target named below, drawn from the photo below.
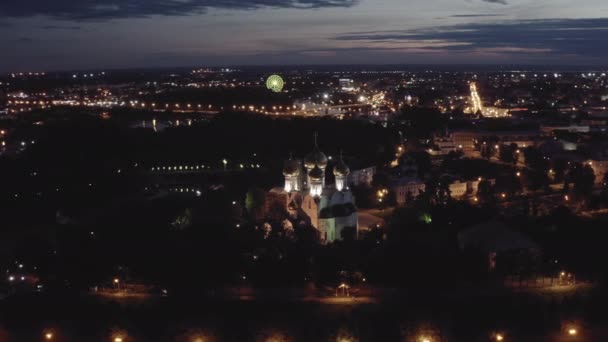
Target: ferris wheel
(275, 83)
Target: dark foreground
(427, 317)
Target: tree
(443, 193)
(559, 170)
(423, 162)
(582, 178)
(422, 122)
(508, 153)
(381, 180)
(183, 221)
(364, 196)
(409, 198)
(349, 233)
(486, 150)
(509, 183)
(488, 147)
(535, 179)
(534, 159)
(255, 202)
(604, 191)
(452, 155)
(485, 191)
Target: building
(407, 188)
(467, 139)
(443, 145)
(306, 198)
(363, 176)
(458, 189)
(347, 84)
(407, 166)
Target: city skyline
(68, 35)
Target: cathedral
(306, 198)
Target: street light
(48, 336)
(345, 289)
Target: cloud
(475, 15)
(501, 2)
(57, 27)
(24, 40)
(320, 53)
(112, 9)
(582, 37)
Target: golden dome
(341, 169)
(316, 174)
(291, 168)
(315, 158)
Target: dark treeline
(71, 151)
(240, 135)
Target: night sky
(42, 35)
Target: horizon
(464, 68)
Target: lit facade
(306, 198)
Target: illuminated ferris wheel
(275, 83)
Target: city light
(432, 167)
(477, 104)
